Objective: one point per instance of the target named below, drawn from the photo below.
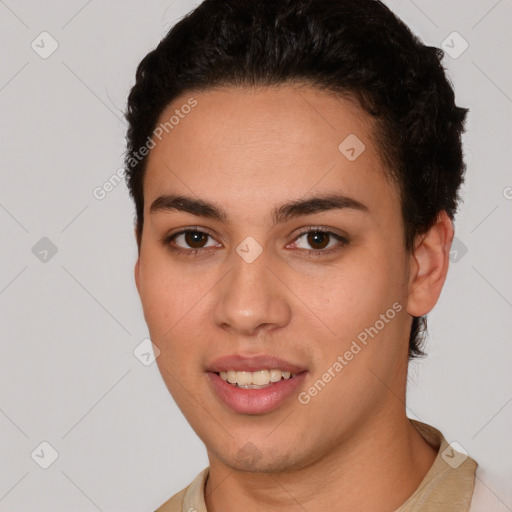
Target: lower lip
(255, 401)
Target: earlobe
(429, 266)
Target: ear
(137, 267)
(429, 266)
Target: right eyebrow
(173, 202)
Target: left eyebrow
(316, 204)
(284, 212)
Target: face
(282, 269)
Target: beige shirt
(448, 485)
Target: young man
(295, 167)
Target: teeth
(260, 378)
(275, 375)
(244, 378)
(255, 380)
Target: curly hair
(354, 47)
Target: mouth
(254, 385)
(255, 380)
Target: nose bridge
(251, 296)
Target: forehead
(255, 146)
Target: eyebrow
(288, 210)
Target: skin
(249, 151)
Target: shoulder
(448, 485)
(174, 504)
(193, 493)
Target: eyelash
(311, 253)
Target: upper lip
(242, 363)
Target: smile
(255, 380)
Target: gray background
(70, 321)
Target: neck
(378, 468)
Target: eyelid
(323, 229)
(186, 229)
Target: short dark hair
(354, 47)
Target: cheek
(351, 295)
(171, 309)
(169, 299)
(350, 306)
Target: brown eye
(189, 241)
(195, 239)
(318, 239)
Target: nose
(251, 299)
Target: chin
(249, 458)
